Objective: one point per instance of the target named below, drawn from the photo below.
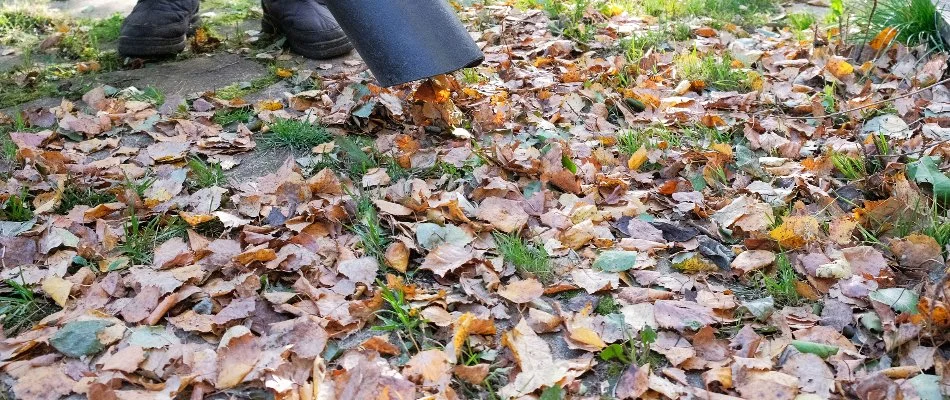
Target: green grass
(915, 20)
(237, 90)
(631, 140)
(717, 72)
(295, 134)
(74, 195)
(150, 95)
(230, 12)
(851, 167)
(800, 21)
(568, 18)
(471, 76)
(230, 116)
(106, 30)
(607, 305)
(20, 307)
(402, 319)
(8, 149)
(18, 26)
(138, 186)
(12, 94)
(367, 226)
(633, 351)
(16, 208)
(355, 156)
(355, 160)
(781, 285)
(636, 46)
(530, 260)
(205, 175)
(141, 237)
(740, 12)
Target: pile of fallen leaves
(561, 221)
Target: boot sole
(144, 47)
(313, 50)
(150, 47)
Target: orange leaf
(883, 38)
(839, 67)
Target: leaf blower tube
(406, 40)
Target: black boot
(157, 28)
(309, 27)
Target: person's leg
(157, 28)
(309, 27)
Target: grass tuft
(607, 305)
(782, 286)
(851, 167)
(295, 134)
(20, 307)
(16, 208)
(915, 20)
(717, 72)
(801, 21)
(368, 227)
(205, 175)
(150, 95)
(401, 318)
(228, 117)
(141, 238)
(529, 259)
(73, 195)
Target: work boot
(157, 28)
(310, 29)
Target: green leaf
(79, 338)
(871, 322)
(431, 235)
(899, 299)
(760, 308)
(837, 8)
(926, 170)
(636, 105)
(927, 386)
(152, 337)
(569, 164)
(647, 335)
(614, 352)
(819, 349)
(616, 260)
(552, 393)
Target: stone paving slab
(93, 8)
(196, 74)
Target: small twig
(908, 94)
(867, 30)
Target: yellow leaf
(462, 329)
(58, 289)
(195, 219)
(795, 231)
(883, 38)
(637, 159)
(613, 10)
(269, 105)
(588, 337)
(723, 148)
(839, 67)
(695, 264)
(284, 73)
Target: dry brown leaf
(523, 291)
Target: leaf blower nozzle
(406, 40)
